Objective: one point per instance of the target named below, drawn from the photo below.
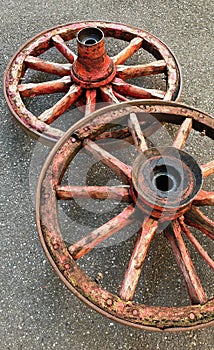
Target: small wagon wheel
(85, 78)
(163, 193)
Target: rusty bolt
(135, 312)
(73, 140)
(192, 316)
(56, 246)
(109, 302)
(67, 266)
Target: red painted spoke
(108, 94)
(60, 44)
(119, 96)
(204, 198)
(137, 134)
(134, 269)
(49, 87)
(91, 96)
(85, 245)
(47, 67)
(134, 45)
(207, 169)
(183, 133)
(94, 192)
(195, 218)
(108, 159)
(135, 91)
(62, 105)
(195, 289)
(128, 72)
(196, 244)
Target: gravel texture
(36, 310)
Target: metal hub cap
(86, 64)
(166, 180)
(143, 204)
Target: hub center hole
(90, 41)
(164, 183)
(165, 178)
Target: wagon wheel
(162, 192)
(89, 77)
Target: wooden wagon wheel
(163, 193)
(46, 67)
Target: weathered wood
(194, 287)
(134, 45)
(91, 97)
(60, 44)
(62, 105)
(127, 89)
(137, 133)
(48, 87)
(39, 64)
(204, 198)
(196, 244)
(207, 169)
(129, 72)
(108, 95)
(134, 269)
(86, 244)
(94, 192)
(183, 133)
(108, 159)
(195, 218)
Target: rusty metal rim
(44, 245)
(49, 140)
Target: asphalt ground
(36, 309)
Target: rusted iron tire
(144, 189)
(23, 86)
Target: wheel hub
(165, 180)
(93, 67)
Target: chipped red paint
(122, 307)
(92, 68)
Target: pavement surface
(36, 310)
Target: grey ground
(36, 310)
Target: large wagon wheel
(89, 77)
(163, 194)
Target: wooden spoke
(195, 289)
(196, 244)
(119, 96)
(129, 72)
(135, 91)
(137, 134)
(47, 67)
(85, 245)
(49, 87)
(183, 133)
(94, 192)
(134, 45)
(207, 169)
(106, 158)
(62, 105)
(91, 96)
(204, 198)
(195, 218)
(134, 269)
(108, 95)
(60, 44)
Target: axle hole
(164, 183)
(90, 42)
(90, 36)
